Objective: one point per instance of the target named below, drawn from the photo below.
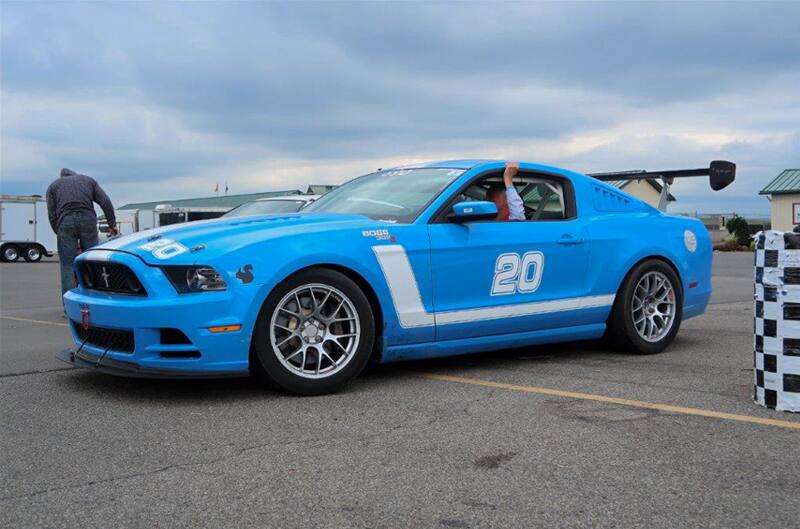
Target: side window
(543, 199)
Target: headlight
(187, 279)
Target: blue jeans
(76, 227)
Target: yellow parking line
(28, 320)
(615, 400)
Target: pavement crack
(38, 372)
(479, 399)
(188, 465)
(88, 483)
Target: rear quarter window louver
(609, 201)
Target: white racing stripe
(403, 286)
(411, 312)
(97, 255)
(523, 309)
(134, 238)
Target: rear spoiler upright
(720, 175)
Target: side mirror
(474, 210)
(721, 174)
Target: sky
(162, 100)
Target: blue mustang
(400, 264)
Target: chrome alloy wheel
(11, 254)
(653, 306)
(315, 331)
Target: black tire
(621, 332)
(264, 362)
(33, 253)
(9, 253)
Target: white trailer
(128, 221)
(24, 229)
(136, 220)
(166, 214)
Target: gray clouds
(263, 92)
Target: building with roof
(783, 193)
(138, 216)
(647, 190)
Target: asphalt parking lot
(557, 436)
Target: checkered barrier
(777, 320)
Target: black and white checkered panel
(777, 320)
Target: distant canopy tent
(320, 189)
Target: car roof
(475, 163)
(449, 164)
(305, 198)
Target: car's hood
(200, 241)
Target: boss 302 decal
(381, 235)
(411, 312)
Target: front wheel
(314, 333)
(648, 309)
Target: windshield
(265, 207)
(397, 195)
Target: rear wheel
(10, 253)
(33, 253)
(314, 333)
(648, 309)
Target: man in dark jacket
(71, 211)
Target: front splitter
(121, 368)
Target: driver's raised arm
(516, 208)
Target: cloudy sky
(164, 100)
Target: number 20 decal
(164, 248)
(513, 273)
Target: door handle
(570, 239)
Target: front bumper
(145, 318)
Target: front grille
(111, 277)
(112, 339)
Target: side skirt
(489, 343)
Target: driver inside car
(509, 203)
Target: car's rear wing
(720, 174)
